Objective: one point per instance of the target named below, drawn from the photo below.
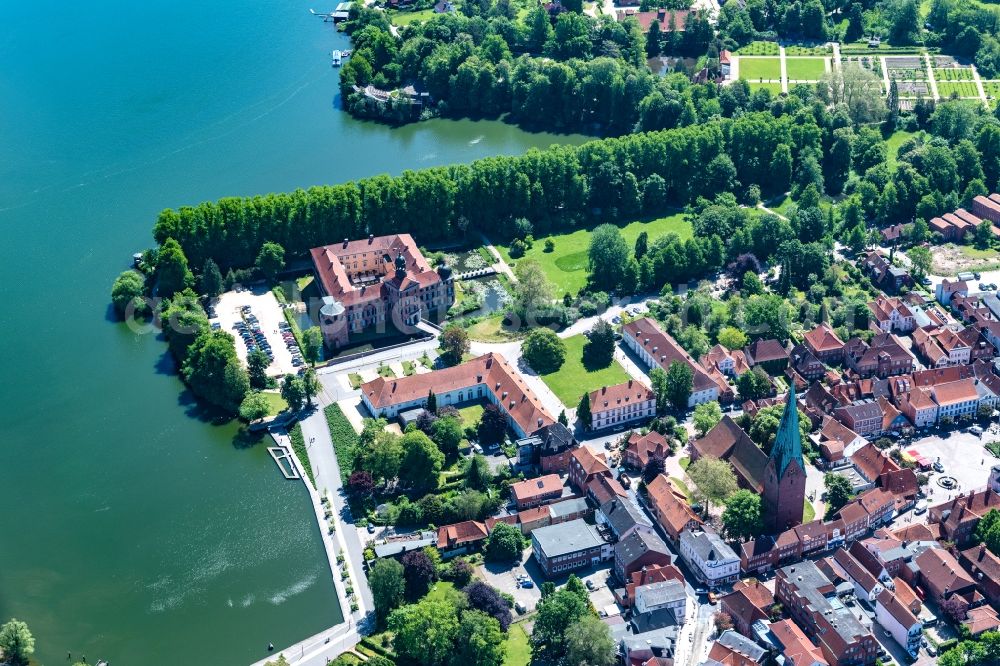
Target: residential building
(603, 487)
(668, 595)
(710, 559)
(984, 567)
(891, 314)
(796, 647)
(620, 404)
(657, 349)
(806, 364)
(883, 273)
(956, 399)
(489, 377)
(824, 344)
(549, 449)
(733, 649)
(811, 600)
(983, 618)
(959, 517)
(749, 602)
(535, 492)
(664, 17)
(785, 474)
(461, 537)
(670, 507)
(770, 354)
(866, 585)
(836, 441)
(380, 283)
(644, 576)
(863, 417)
(641, 547)
(897, 619)
(568, 546)
(942, 578)
(730, 363)
(640, 449)
(885, 355)
(584, 465)
(621, 515)
(946, 289)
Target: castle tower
(785, 474)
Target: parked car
(590, 585)
(920, 508)
(938, 467)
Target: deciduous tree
(422, 461)
(714, 479)
(388, 585)
(16, 642)
(838, 493)
(706, 415)
(271, 260)
(589, 643)
(492, 425)
(742, 515)
(127, 293)
(454, 344)
(504, 544)
(425, 632)
(544, 351)
(254, 407)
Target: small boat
(346, 54)
(335, 58)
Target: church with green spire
(785, 474)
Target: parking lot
(963, 456)
(265, 308)
(506, 579)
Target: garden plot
(906, 62)
(913, 88)
(955, 73)
(947, 89)
(800, 50)
(758, 49)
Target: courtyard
(574, 378)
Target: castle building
(377, 284)
(785, 474)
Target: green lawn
(355, 379)
(491, 329)
(345, 440)
(408, 368)
(471, 413)
(276, 402)
(800, 50)
(805, 69)
(566, 266)
(753, 69)
(808, 512)
(893, 143)
(441, 590)
(775, 88)
(573, 379)
(684, 462)
(518, 647)
(406, 18)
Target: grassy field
(753, 69)
(893, 143)
(759, 48)
(491, 329)
(566, 266)
(518, 647)
(441, 590)
(963, 88)
(573, 379)
(775, 88)
(406, 18)
(805, 69)
(276, 402)
(471, 413)
(808, 512)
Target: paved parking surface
(266, 308)
(504, 578)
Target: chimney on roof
(345, 242)
(371, 238)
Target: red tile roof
(619, 395)
(492, 370)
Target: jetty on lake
(341, 13)
(283, 459)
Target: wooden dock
(283, 459)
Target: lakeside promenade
(319, 649)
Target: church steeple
(788, 442)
